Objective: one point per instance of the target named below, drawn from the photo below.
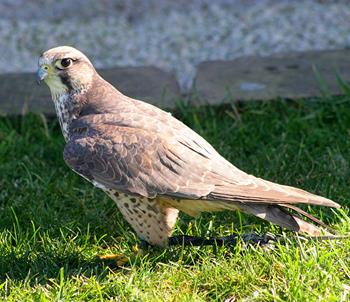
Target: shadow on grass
(43, 268)
(74, 249)
(36, 267)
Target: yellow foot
(119, 260)
(114, 259)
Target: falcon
(150, 163)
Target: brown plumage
(150, 163)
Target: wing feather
(149, 163)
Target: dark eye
(66, 62)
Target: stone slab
(20, 94)
(288, 75)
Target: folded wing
(136, 161)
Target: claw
(120, 260)
(117, 259)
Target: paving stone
(288, 75)
(19, 93)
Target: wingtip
(336, 205)
(312, 198)
(330, 203)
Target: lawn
(54, 224)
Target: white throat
(66, 102)
(64, 112)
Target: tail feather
(309, 216)
(277, 214)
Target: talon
(118, 259)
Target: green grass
(53, 223)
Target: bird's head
(65, 69)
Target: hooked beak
(41, 74)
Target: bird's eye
(64, 63)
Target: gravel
(173, 35)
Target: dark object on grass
(230, 240)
